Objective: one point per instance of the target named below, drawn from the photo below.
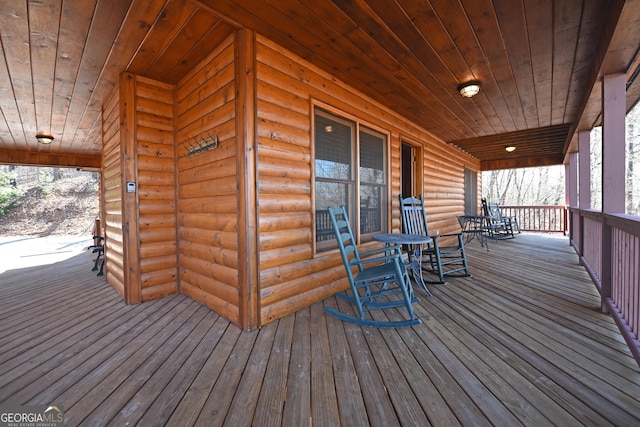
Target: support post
(584, 169)
(571, 198)
(613, 143)
(613, 170)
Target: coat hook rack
(200, 144)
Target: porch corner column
(129, 168)
(571, 200)
(584, 182)
(247, 158)
(571, 180)
(613, 170)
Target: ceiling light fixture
(469, 89)
(510, 148)
(44, 138)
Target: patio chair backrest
(491, 210)
(344, 236)
(488, 211)
(414, 218)
(494, 210)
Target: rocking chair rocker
(383, 283)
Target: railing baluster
(549, 219)
(611, 254)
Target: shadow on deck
(522, 342)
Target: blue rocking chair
(383, 283)
(442, 260)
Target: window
(350, 171)
(470, 192)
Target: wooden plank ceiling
(540, 63)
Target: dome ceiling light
(469, 89)
(44, 138)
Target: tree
(520, 187)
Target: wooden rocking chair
(438, 259)
(380, 282)
(494, 209)
(498, 227)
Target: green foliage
(9, 193)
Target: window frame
(354, 210)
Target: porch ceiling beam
(40, 158)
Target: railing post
(605, 279)
(570, 223)
(580, 234)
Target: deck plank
(143, 395)
(541, 374)
(176, 390)
(190, 405)
(380, 410)
(274, 373)
(324, 402)
(165, 347)
(238, 387)
(351, 404)
(103, 382)
(521, 342)
(297, 402)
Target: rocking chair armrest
(436, 240)
(446, 235)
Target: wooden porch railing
(547, 219)
(369, 223)
(609, 248)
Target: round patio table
(414, 243)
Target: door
(411, 169)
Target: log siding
(292, 275)
(138, 135)
(238, 233)
(111, 216)
(207, 184)
(155, 151)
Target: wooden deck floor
(522, 342)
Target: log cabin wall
(207, 184)
(156, 195)
(111, 214)
(216, 99)
(291, 275)
(444, 186)
(140, 231)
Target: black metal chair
(442, 260)
(98, 248)
(380, 279)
